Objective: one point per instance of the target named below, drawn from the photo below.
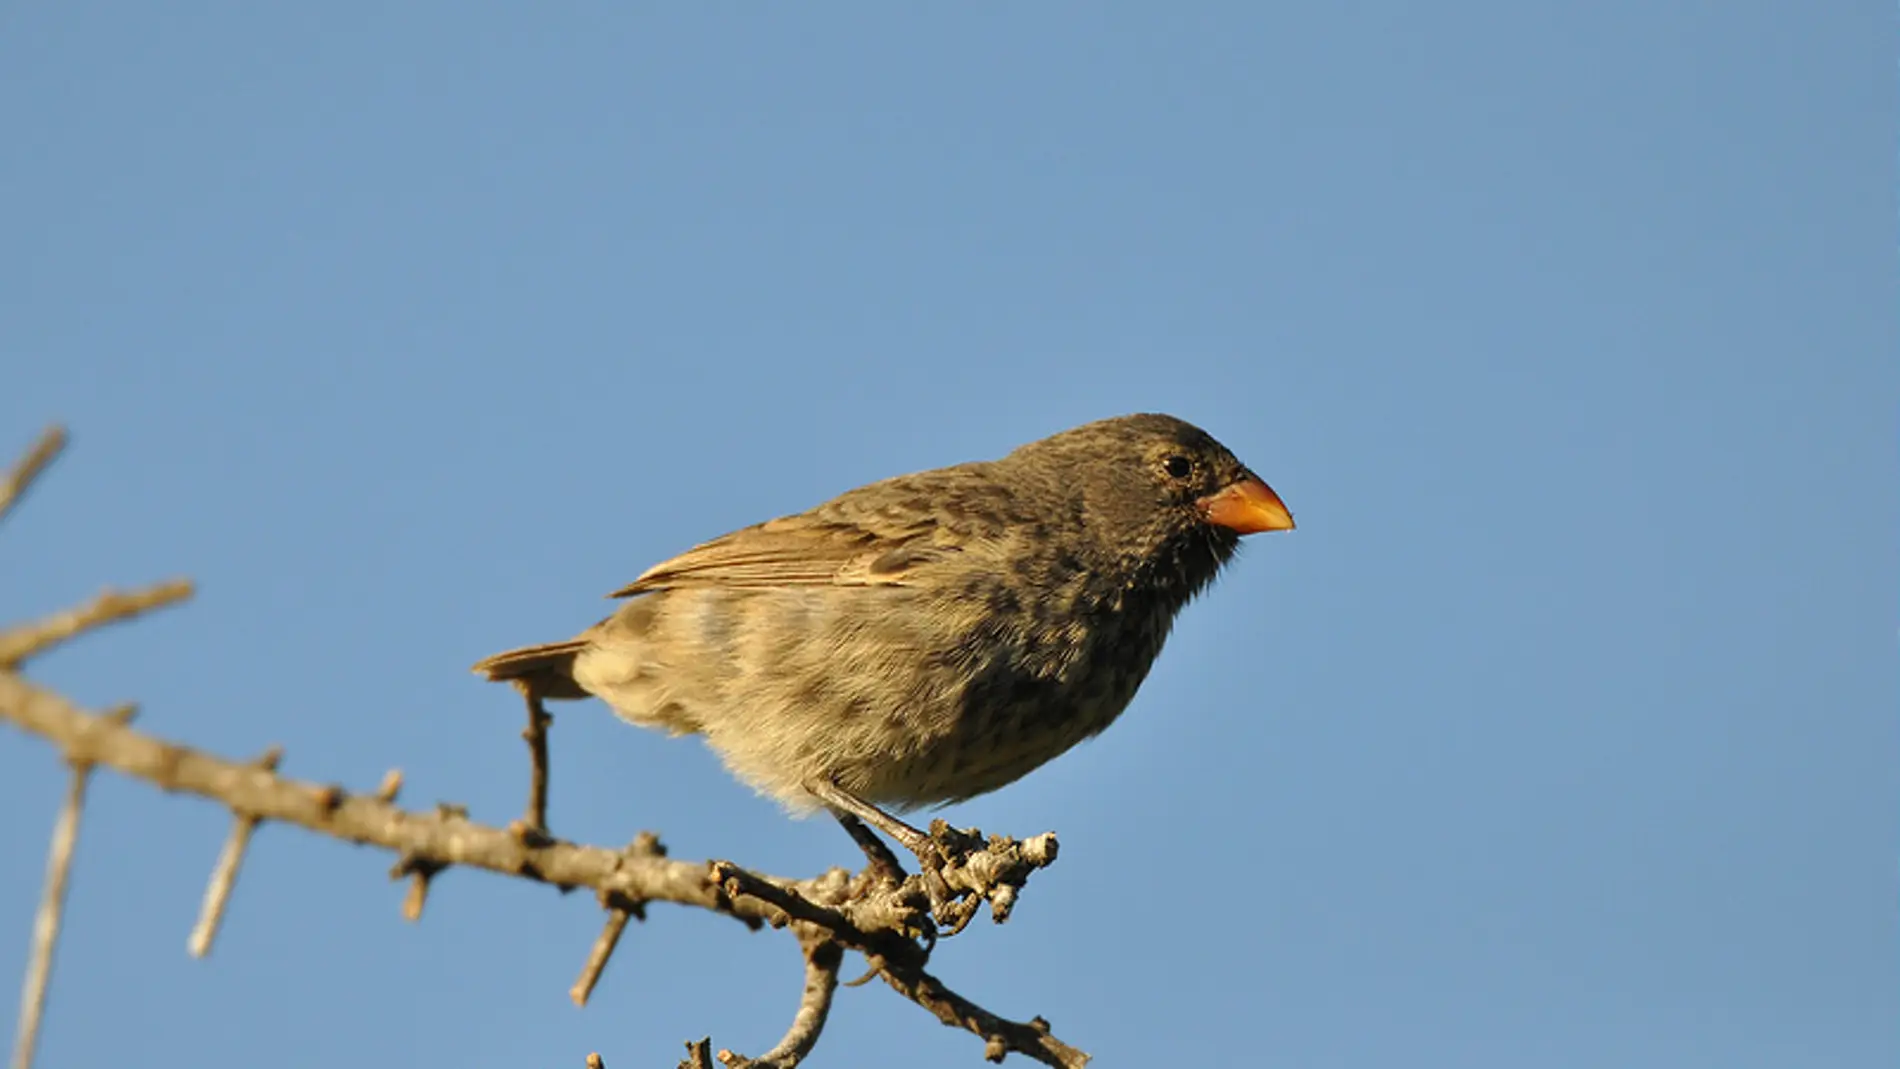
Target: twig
(46, 922)
(597, 957)
(1000, 1035)
(17, 644)
(224, 874)
(822, 958)
(698, 1054)
(536, 736)
(619, 911)
(15, 483)
(742, 884)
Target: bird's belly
(1000, 747)
(1001, 725)
(903, 704)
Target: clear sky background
(1563, 732)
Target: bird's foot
(959, 869)
(963, 870)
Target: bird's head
(1157, 488)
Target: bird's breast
(1064, 668)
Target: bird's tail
(547, 670)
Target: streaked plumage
(930, 637)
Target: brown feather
(875, 535)
(548, 670)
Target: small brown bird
(930, 637)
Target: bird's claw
(960, 870)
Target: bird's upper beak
(1246, 507)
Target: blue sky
(1563, 732)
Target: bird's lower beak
(1246, 507)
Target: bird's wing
(881, 534)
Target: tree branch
(822, 958)
(19, 644)
(891, 924)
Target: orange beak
(1247, 507)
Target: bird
(927, 638)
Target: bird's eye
(1178, 466)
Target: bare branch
(39, 968)
(17, 644)
(822, 958)
(441, 838)
(1000, 1036)
(15, 483)
(603, 949)
(59, 860)
(619, 911)
(858, 913)
(536, 736)
(224, 874)
(872, 923)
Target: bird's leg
(854, 813)
(844, 803)
(883, 862)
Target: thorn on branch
(391, 786)
(420, 871)
(224, 874)
(418, 896)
